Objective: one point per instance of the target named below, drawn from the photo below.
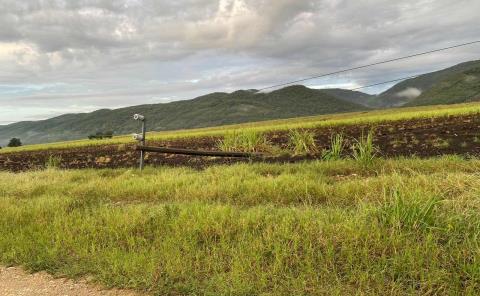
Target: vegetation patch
(302, 142)
(101, 135)
(440, 143)
(363, 150)
(405, 226)
(337, 145)
(244, 141)
(53, 162)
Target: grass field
(400, 226)
(373, 117)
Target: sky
(61, 57)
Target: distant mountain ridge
(457, 84)
(439, 87)
(204, 111)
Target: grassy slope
(401, 227)
(458, 88)
(285, 124)
(427, 82)
(210, 110)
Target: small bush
(302, 142)
(101, 135)
(363, 149)
(337, 144)
(244, 141)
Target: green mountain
(209, 110)
(456, 84)
(458, 88)
(351, 96)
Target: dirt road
(15, 282)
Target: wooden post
(197, 152)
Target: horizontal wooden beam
(196, 152)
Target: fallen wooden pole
(196, 152)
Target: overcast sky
(75, 56)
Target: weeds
(53, 162)
(410, 214)
(414, 140)
(336, 148)
(302, 142)
(440, 143)
(253, 141)
(363, 150)
(230, 142)
(244, 141)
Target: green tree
(14, 142)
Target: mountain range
(457, 84)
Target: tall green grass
(405, 226)
(337, 145)
(244, 141)
(53, 161)
(363, 150)
(302, 142)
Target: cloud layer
(74, 56)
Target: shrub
(302, 142)
(363, 150)
(101, 135)
(337, 144)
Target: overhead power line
(370, 65)
(385, 82)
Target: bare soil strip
(420, 137)
(16, 282)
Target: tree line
(16, 142)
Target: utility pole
(141, 137)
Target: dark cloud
(68, 56)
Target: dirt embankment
(422, 137)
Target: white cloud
(409, 93)
(123, 52)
